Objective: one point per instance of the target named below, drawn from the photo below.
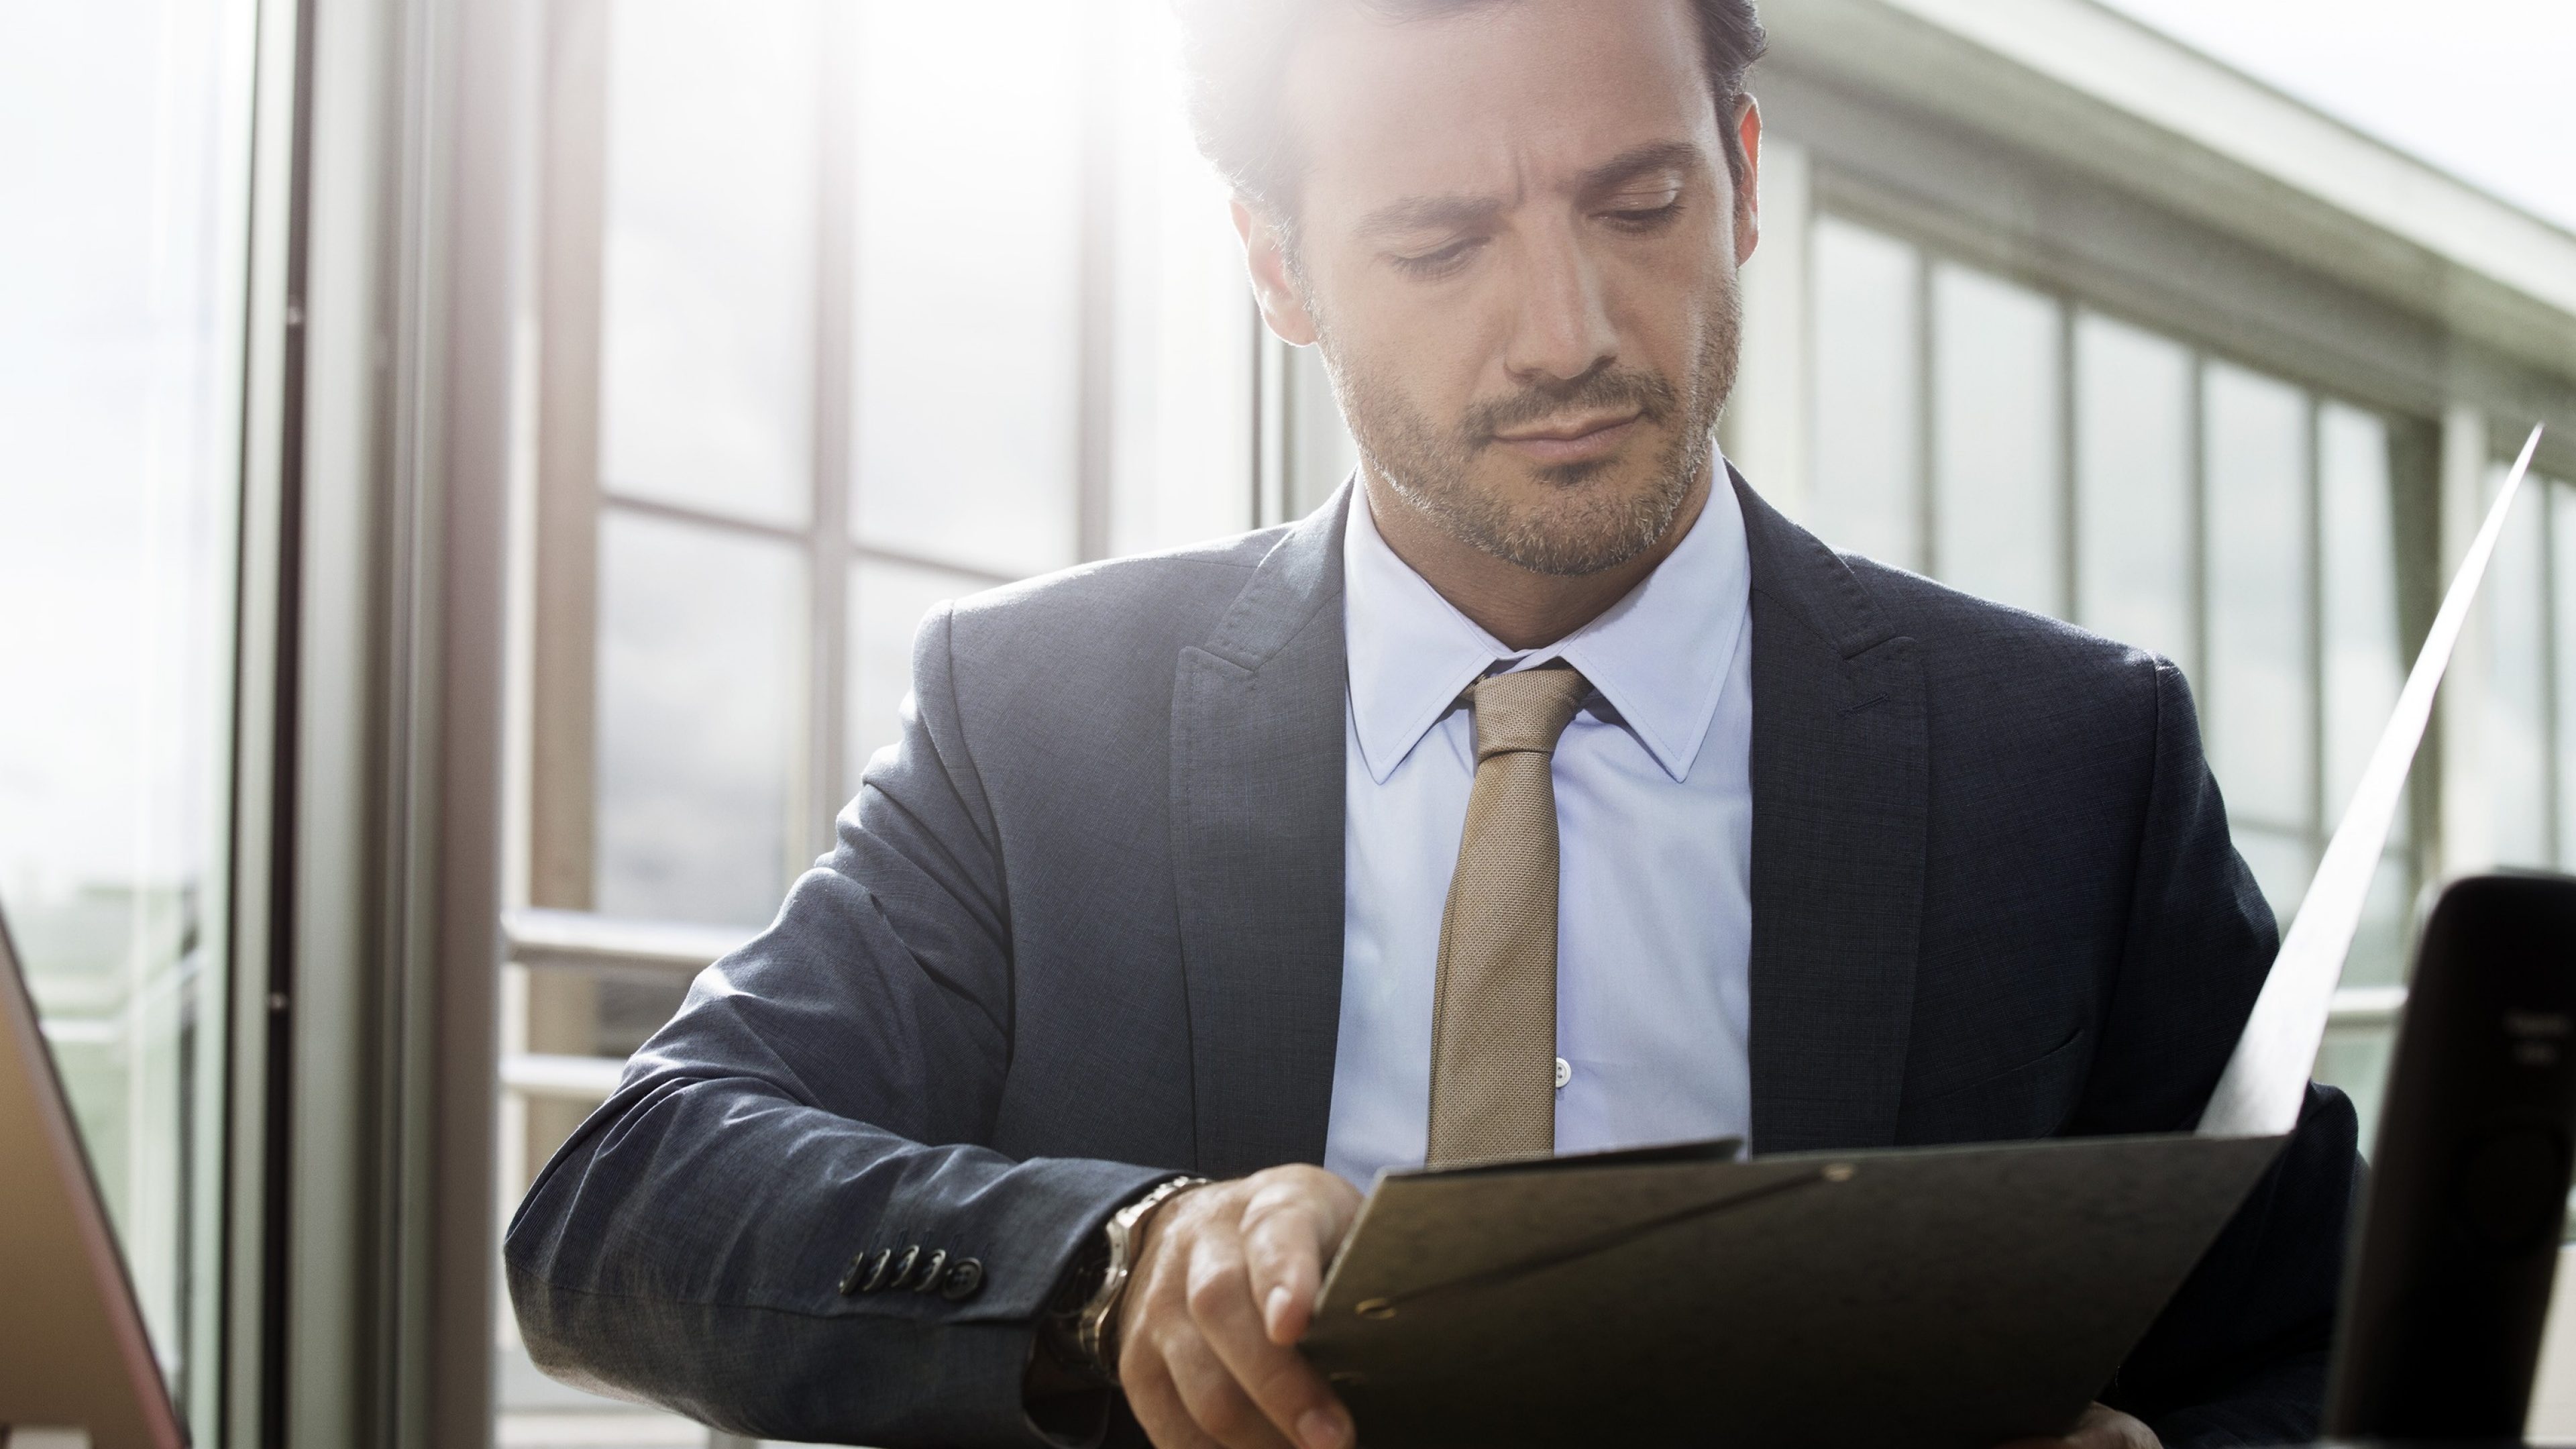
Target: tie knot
(1526, 710)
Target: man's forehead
(1495, 98)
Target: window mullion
(835, 294)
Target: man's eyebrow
(1428, 213)
(1630, 164)
(1446, 213)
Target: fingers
(1292, 1227)
(1288, 1392)
(1157, 1404)
(2102, 1427)
(1217, 1400)
(1283, 1260)
(1200, 1359)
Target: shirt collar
(1661, 656)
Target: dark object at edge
(2459, 1240)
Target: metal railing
(2366, 1006)
(538, 940)
(550, 940)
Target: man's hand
(1224, 1285)
(2100, 1428)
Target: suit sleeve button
(965, 1280)
(868, 1272)
(903, 1268)
(931, 1272)
(857, 1271)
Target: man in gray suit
(1545, 791)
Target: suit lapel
(1840, 795)
(1257, 743)
(1840, 787)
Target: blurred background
(473, 471)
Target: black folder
(1934, 1297)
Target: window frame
(572, 494)
(1985, 202)
(556, 948)
(383, 279)
(2412, 490)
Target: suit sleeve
(818, 1097)
(2239, 1355)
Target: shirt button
(1564, 1073)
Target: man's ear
(1748, 190)
(1265, 256)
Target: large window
(124, 154)
(2028, 448)
(847, 310)
(2528, 741)
(876, 287)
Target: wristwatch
(1095, 1322)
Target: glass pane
(701, 667)
(707, 341)
(2356, 1058)
(2133, 508)
(1867, 394)
(1185, 326)
(2260, 706)
(2379, 949)
(124, 157)
(1997, 505)
(1321, 451)
(2516, 718)
(2364, 658)
(2282, 863)
(969, 282)
(887, 602)
(2562, 526)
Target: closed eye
(1644, 218)
(1443, 261)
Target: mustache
(1603, 389)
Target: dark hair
(1236, 52)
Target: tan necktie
(1493, 1018)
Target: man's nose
(1563, 329)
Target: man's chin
(1628, 470)
(1579, 529)
(1525, 488)
(1564, 477)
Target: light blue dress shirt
(1654, 808)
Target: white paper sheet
(2259, 1094)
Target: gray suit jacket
(1083, 928)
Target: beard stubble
(1585, 526)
